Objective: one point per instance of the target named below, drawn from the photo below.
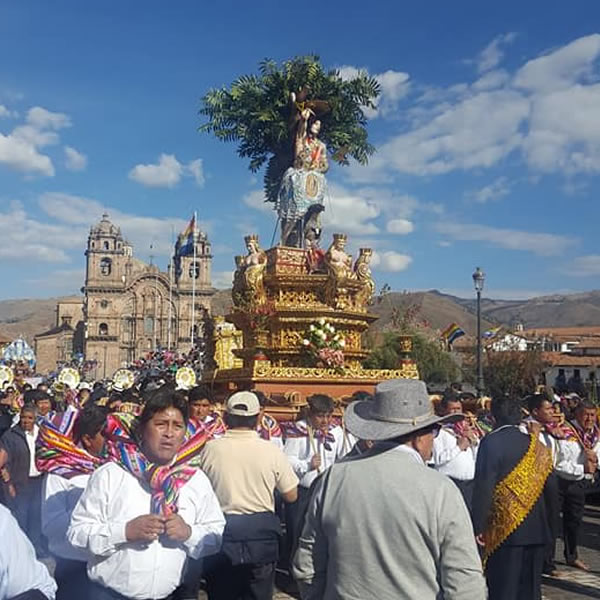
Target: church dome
(105, 227)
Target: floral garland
(324, 345)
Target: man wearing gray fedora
(383, 525)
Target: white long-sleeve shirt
(450, 460)
(20, 571)
(112, 498)
(300, 451)
(571, 460)
(60, 498)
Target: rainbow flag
(452, 333)
(185, 240)
(491, 333)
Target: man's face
(94, 444)
(453, 407)
(84, 396)
(320, 420)
(200, 409)
(43, 406)
(424, 444)
(27, 420)
(315, 127)
(586, 417)
(545, 413)
(163, 435)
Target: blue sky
(488, 136)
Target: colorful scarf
(297, 429)
(214, 425)
(589, 438)
(268, 428)
(465, 428)
(164, 481)
(57, 453)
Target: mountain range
(27, 317)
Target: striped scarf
(57, 453)
(165, 481)
(268, 428)
(297, 429)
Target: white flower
(321, 322)
(305, 342)
(342, 343)
(311, 328)
(331, 328)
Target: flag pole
(170, 300)
(194, 283)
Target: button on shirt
(450, 460)
(112, 498)
(300, 450)
(245, 470)
(20, 571)
(60, 498)
(31, 437)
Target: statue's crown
(340, 236)
(366, 251)
(251, 238)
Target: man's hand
(463, 443)
(176, 528)
(145, 528)
(315, 462)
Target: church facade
(131, 307)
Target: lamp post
(478, 281)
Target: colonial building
(130, 307)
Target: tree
(255, 111)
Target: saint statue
(303, 185)
(248, 286)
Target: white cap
(243, 404)
(84, 385)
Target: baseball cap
(243, 404)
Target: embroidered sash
(516, 495)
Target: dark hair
(262, 398)
(162, 399)
(199, 393)
(90, 421)
(535, 401)
(27, 386)
(505, 410)
(39, 395)
(240, 422)
(361, 395)
(450, 394)
(320, 404)
(585, 405)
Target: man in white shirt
(577, 468)
(20, 571)
(140, 518)
(67, 476)
(312, 445)
(455, 448)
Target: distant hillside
(28, 317)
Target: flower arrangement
(258, 317)
(324, 345)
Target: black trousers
(71, 579)
(572, 502)
(225, 581)
(552, 503)
(294, 520)
(466, 489)
(515, 573)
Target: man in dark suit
(513, 538)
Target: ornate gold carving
(226, 339)
(249, 288)
(362, 271)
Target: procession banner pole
(194, 282)
(170, 303)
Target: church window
(194, 270)
(103, 303)
(149, 325)
(106, 246)
(105, 266)
(103, 329)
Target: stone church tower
(131, 308)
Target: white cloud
(76, 214)
(491, 56)
(499, 188)
(400, 226)
(390, 261)
(584, 266)
(222, 279)
(64, 279)
(256, 200)
(196, 169)
(167, 172)
(350, 212)
(542, 244)
(395, 85)
(20, 149)
(74, 160)
(491, 80)
(5, 113)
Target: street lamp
(478, 281)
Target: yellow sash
(516, 495)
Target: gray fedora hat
(399, 407)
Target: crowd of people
(155, 492)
